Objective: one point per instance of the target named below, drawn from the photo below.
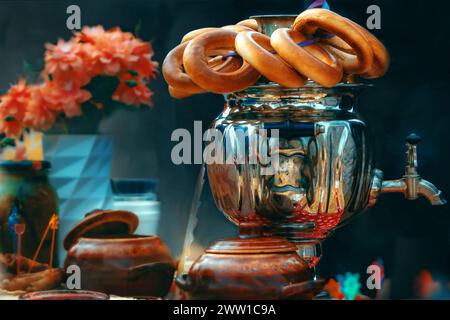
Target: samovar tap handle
(411, 184)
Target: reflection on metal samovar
(325, 174)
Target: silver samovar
(325, 174)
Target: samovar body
(298, 163)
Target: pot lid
(252, 245)
(102, 223)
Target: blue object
(319, 4)
(13, 219)
(350, 285)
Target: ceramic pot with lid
(114, 260)
(250, 268)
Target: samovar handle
(411, 184)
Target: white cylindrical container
(138, 196)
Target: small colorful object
(319, 4)
(334, 289)
(54, 222)
(52, 225)
(425, 285)
(19, 229)
(350, 285)
(13, 219)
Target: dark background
(413, 97)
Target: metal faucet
(411, 184)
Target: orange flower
(63, 99)
(115, 51)
(144, 65)
(11, 128)
(38, 116)
(12, 109)
(48, 100)
(133, 90)
(68, 63)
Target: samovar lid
(252, 246)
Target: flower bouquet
(95, 69)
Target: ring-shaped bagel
(338, 43)
(249, 23)
(178, 94)
(237, 28)
(255, 48)
(381, 59)
(180, 82)
(343, 51)
(309, 21)
(311, 61)
(174, 74)
(194, 33)
(196, 64)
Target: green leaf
(133, 73)
(8, 142)
(9, 118)
(131, 83)
(28, 68)
(138, 27)
(102, 88)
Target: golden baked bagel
(237, 28)
(195, 60)
(174, 74)
(194, 33)
(180, 84)
(343, 51)
(255, 48)
(249, 23)
(312, 20)
(381, 59)
(312, 61)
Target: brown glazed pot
(120, 264)
(247, 269)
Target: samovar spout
(428, 190)
(411, 184)
(421, 187)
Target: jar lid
(99, 223)
(252, 245)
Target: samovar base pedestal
(309, 250)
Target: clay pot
(250, 268)
(114, 261)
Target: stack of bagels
(321, 46)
